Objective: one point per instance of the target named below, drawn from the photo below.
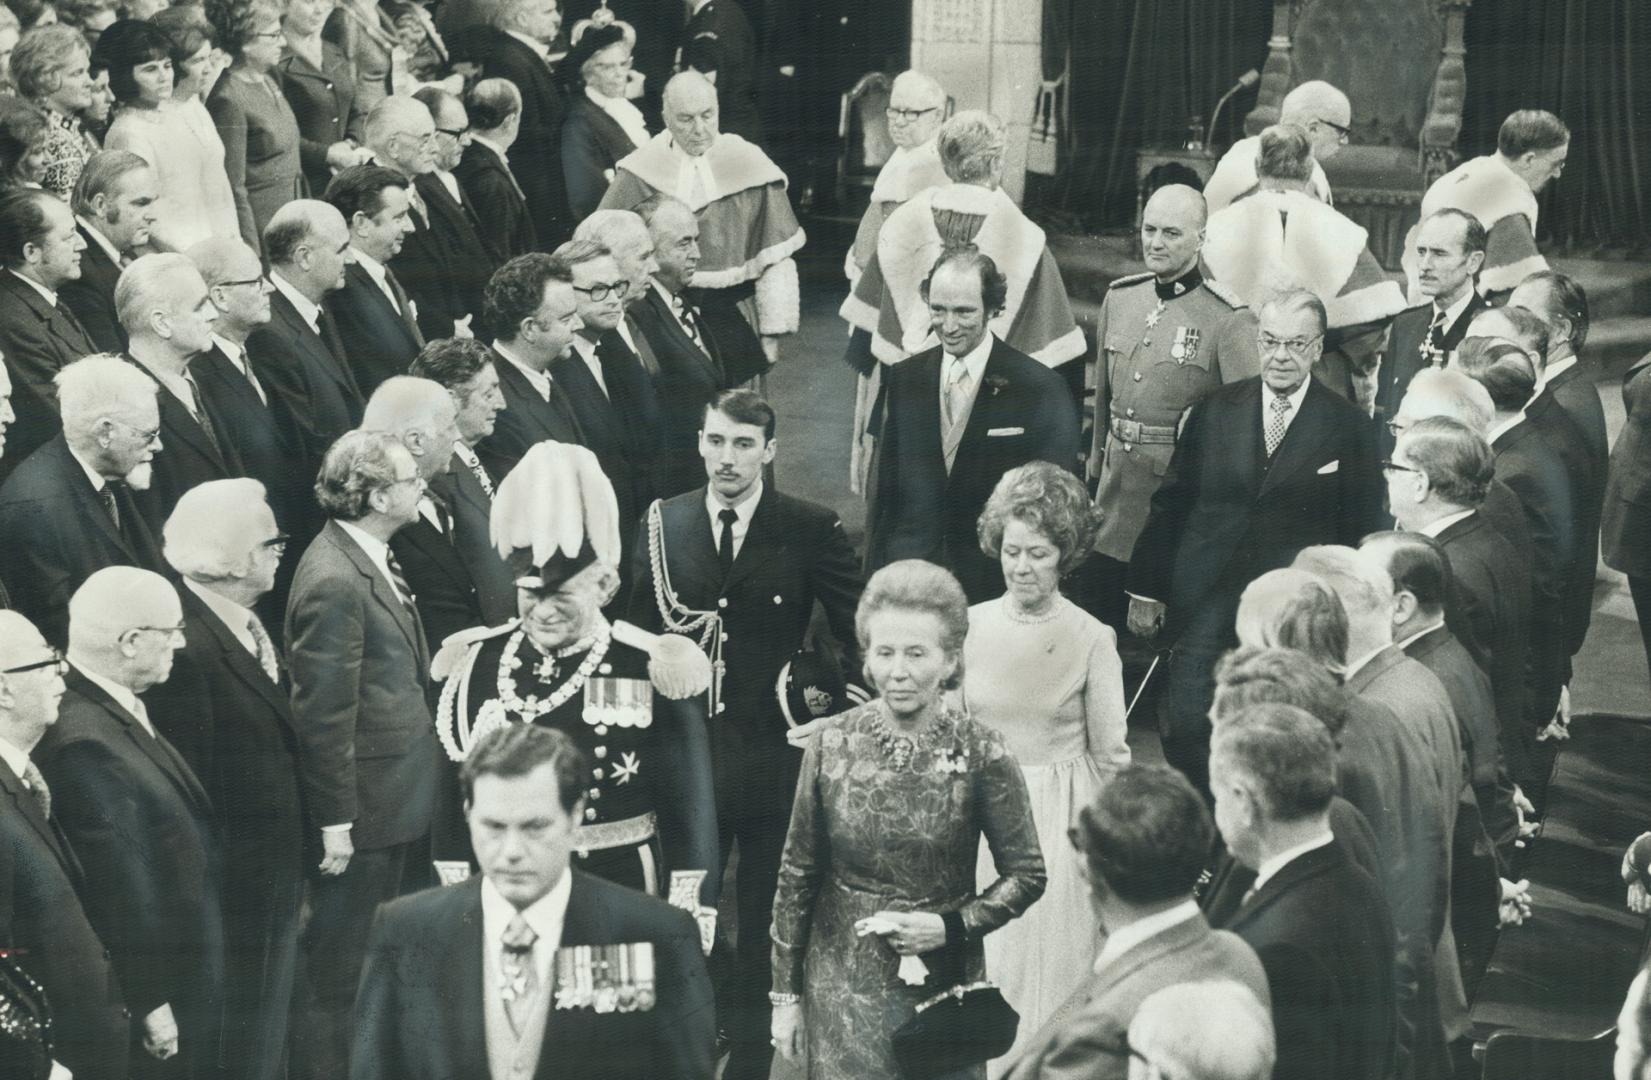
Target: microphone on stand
(1248, 79)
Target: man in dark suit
(114, 203)
(42, 922)
(1625, 517)
(443, 264)
(612, 396)
(298, 356)
(1450, 249)
(1143, 842)
(225, 708)
(375, 318)
(955, 419)
(517, 48)
(719, 43)
(138, 818)
(367, 753)
(690, 372)
(40, 249)
(69, 509)
(423, 416)
(453, 222)
(533, 314)
(490, 185)
(1263, 468)
(467, 369)
(431, 1004)
(751, 563)
(1317, 921)
(168, 318)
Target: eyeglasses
(268, 35)
(259, 281)
(908, 115)
(164, 631)
(457, 133)
(1294, 346)
(1394, 466)
(417, 481)
(599, 292)
(54, 661)
(424, 141)
(1341, 132)
(277, 543)
(150, 436)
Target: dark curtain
(1141, 70)
(1589, 62)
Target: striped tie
(399, 580)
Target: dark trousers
(743, 996)
(1097, 586)
(1184, 710)
(261, 962)
(335, 948)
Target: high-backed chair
(864, 142)
(1401, 64)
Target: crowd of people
(405, 642)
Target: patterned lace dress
(868, 836)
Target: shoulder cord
(676, 617)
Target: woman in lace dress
(892, 802)
(52, 69)
(1045, 676)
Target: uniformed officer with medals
(633, 701)
(1167, 337)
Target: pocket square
(1330, 468)
(1005, 431)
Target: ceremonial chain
(533, 706)
(676, 617)
(900, 748)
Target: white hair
(405, 403)
(1314, 100)
(97, 386)
(611, 228)
(926, 87)
(684, 82)
(1358, 578)
(113, 601)
(971, 146)
(148, 285)
(209, 535)
(1211, 1030)
(1451, 393)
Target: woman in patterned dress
(1045, 675)
(879, 862)
(52, 69)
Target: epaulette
(1131, 279)
(1225, 293)
(712, 34)
(454, 648)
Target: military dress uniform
(1163, 346)
(649, 818)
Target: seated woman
(195, 198)
(879, 864)
(650, 823)
(1045, 675)
(24, 145)
(602, 125)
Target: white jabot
(626, 115)
(1269, 867)
(695, 185)
(1126, 938)
(743, 511)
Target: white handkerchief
(913, 972)
(1006, 431)
(1330, 468)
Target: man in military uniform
(1167, 337)
(720, 44)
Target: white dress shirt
(1126, 938)
(1294, 397)
(1454, 311)
(100, 240)
(1423, 632)
(307, 308)
(377, 550)
(181, 387)
(1269, 867)
(123, 697)
(1434, 528)
(539, 47)
(1502, 427)
(512, 1054)
(586, 348)
(743, 510)
(974, 361)
(232, 615)
(375, 270)
(626, 115)
(50, 295)
(15, 757)
(237, 356)
(451, 183)
(539, 380)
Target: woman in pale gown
(1046, 676)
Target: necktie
(444, 519)
(201, 416)
(402, 305)
(519, 979)
(474, 464)
(1277, 411)
(1436, 339)
(957, 391)
(416, 201)
(37, 787)
(725, 543)
(243, 364)
(264, 649)
(106, 495)
(398, 580)
(685, 315)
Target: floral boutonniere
(995, 383)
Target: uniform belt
(612, 834)
(1133, 431)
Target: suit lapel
(681, 344)
(404, 614)
(154, 747)
(690, 550)
(316, 345)
(180, 424)
(29, 809)
(1305, 435)
(1293, 873)
(544, 413)
(466, 1019)
(57, 321)
(88, 498)
(236, 658)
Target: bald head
(122, 626)
(1361, 582)
(223, 258)
(691, 112)
(421, 414)
(626, 235)
(308, 242)
(20, 642)
(1172, 230)
(1323, 111)
(917, 108)
(1267, 600)
(1446, 392)
(28, 699)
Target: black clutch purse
(966, 1025)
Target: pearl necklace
(532, 707)
(1016, 615)
(900, 748)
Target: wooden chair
(863, 136)
(1515, 1055)
(1401, 64)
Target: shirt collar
(1294, 397)
(1418, 635)
(975, 359)
(99, 482)
(49, 294)
(1269, 867)
(232, 615)
(539, 380)
(309, 309)
(1181, 286)
(466, 455)
(1439, 525)
(376, 549)
(237, 353)
(545, 915)
(1356, 666)
(368, 263)
(15, 757)
(1128, 937)
(123, 696)
(1502, 427)
(1556, 368)
(585, 347)
(504, 155)
(743, 509)
(100, 240)
(1454, 311)
(539, 48)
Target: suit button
(722, 707)
(125, 1013)
(601, 729)
(335, 119)
(601, 752)
(329, 87)
(722, 601)
(1146, 343)
(590, 813)
(106, 954)
(1137, 376)
(1127, 448)
(596, 793)
(723, 636)
(1130, 413)
(596, 773)
(777, 599)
